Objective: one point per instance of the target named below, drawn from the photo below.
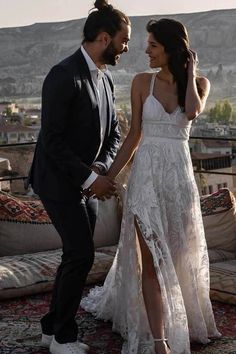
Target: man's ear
(105, 38)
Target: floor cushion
(32, 273)
(220, 255)
(223, 281)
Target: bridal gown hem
(162, 197)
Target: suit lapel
(85, 78)
(91, 92)
(109, 103)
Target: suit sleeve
(57, 97)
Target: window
(219, 186)
(204, 190)
(225, 185)
(210, 189)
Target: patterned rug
(20, 330)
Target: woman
(157, 291)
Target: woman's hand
(193, 62)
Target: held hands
(102, 188)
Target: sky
(16, 13)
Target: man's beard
(110, 55)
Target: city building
(210, 182)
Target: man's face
(117, 46)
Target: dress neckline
(161, 105)
(156, 99)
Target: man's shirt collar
(96, 73)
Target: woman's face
(156, 52)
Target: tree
(227, 111)
(215, 112)
(234, 116)
(221, 112)
(8, 111)
(27, 121)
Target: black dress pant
(75, 223)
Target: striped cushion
(216, 256)
(223, 281)
(32, 273)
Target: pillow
(223, 281)
(216, 255)
(26, 228)
(31, 273)
(218, 202)
(219, 219)
(110, 250)
(107, 228)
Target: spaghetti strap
(152, 83)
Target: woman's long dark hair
(103, 17)
(173, 36)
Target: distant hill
(27, 53)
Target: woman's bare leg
(152, 295)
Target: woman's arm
(194, 104)
(133, 137)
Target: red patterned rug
(20, 330)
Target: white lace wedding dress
(162, 195)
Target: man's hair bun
(103, 17)
(102, 5)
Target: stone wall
(20, 160)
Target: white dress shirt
(97, 78)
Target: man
(77, 143)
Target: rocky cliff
(27, 53)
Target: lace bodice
(156, 122)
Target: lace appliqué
(162, 196)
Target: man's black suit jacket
(69, 140)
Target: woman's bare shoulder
(203, 82)
(142, 77)
(142, 81)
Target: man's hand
(103, 187)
